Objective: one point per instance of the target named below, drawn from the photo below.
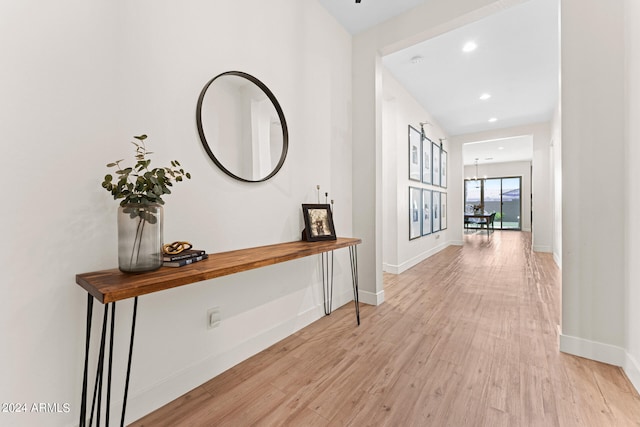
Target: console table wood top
(112, 285)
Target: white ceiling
(516, 61)
(369, 13)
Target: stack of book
(184, 258)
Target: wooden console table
(109, 286)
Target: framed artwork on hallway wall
(415, 213)
(415, 154)
(426, 212)
(436, 210)
(426, 160)
(443, 211)
(435, 156)
(443, 169)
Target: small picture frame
(318, 223)
(415, 154)
(415, 213)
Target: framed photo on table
(318, 223)
(435, 218)
(415, 153)
(426, 161)
(426, 212)
(415, 213)
(443, 211)
(435, 155)
(443, 169)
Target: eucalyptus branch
(140, 184)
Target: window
(499, 195)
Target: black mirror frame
(276, 104)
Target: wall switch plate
(214, 317)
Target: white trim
(600, 352)
(558, 260)
(605, 353)
(540, 248)
(371, 298)
(398, 269)
(632, 370)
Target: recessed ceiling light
(469, 46)
(493, 120)
(485, 96)
(417, 59)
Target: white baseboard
(370, 297)
(606, 353)
(143, 402)
(398, 269)
(558, 260)
(632, 369)
(541, 248)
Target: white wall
(400, 110)
(632, 155)
(594, 186)
(509, 169)
(80, 79)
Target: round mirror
(242, 126)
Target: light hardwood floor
(468, 337)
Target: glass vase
(140, 237)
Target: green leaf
(141, 137)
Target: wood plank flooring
(468, 337)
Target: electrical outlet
(214, 317)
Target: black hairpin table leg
(83, 404)
(353, 255)
(126, 384)
(96, 401)
(327, 282)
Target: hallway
(468, 337)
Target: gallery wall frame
(443, 168)
(426, 160)
(436, 209)
(435, 156)
(443, 211)
(415, 212)
(426, 212)
(415, 154)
